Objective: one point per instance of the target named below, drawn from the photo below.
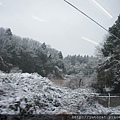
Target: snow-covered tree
(109, 68)
(80, 64)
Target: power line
(91, 19)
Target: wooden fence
(109, 101)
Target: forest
(31, 56)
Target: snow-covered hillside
(32, 94)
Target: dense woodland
(31, 56)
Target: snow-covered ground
(32, 94)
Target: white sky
(58, 24)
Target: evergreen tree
(8, 33)
(60, 55)
(109, 69)
(43, 46)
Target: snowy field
(23, 93)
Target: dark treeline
(29, 55)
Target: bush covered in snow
(23, 93)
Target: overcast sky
(58, 24)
